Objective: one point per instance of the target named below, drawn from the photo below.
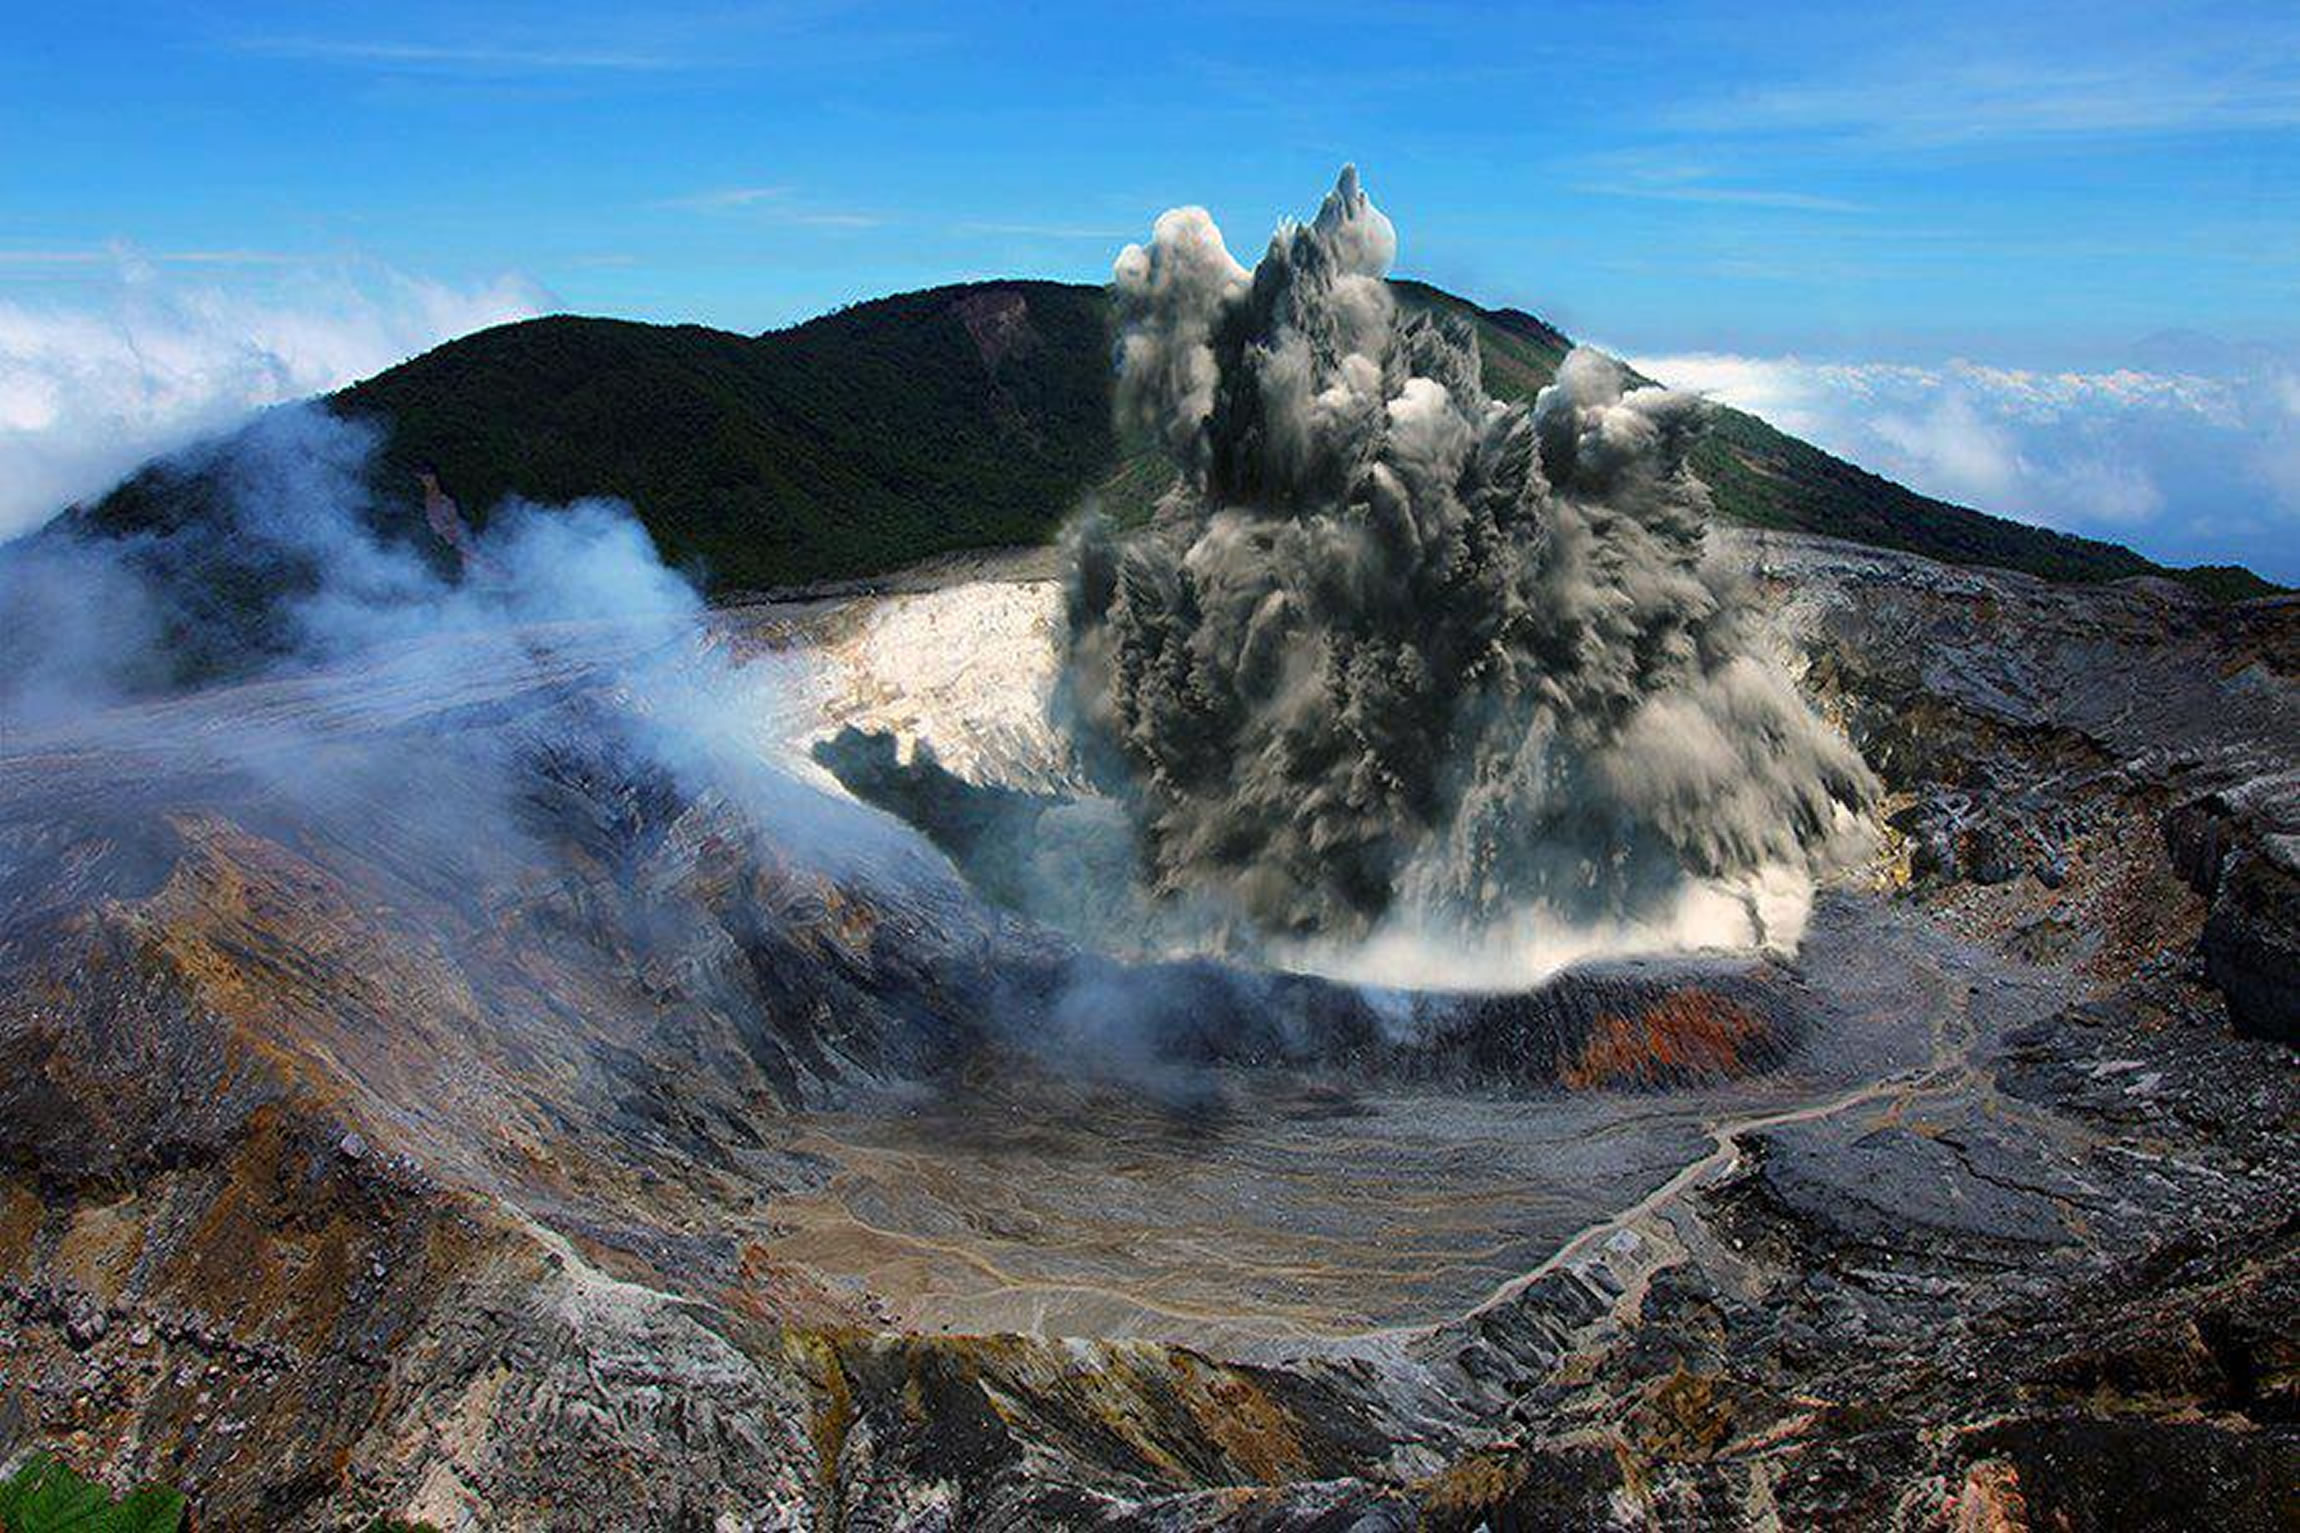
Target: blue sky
(1753, 198)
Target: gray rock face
(2252, 941)
(2240, 849)
(2018, 716)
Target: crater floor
(1290, 1211)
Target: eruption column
(1397, 646)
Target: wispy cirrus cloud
(1035, 231)
(772, 204)
(507, 58)
(727, 197)
(1653, 177)
(130, 257)
(1922, 103)
(567, 43)
(833, 220)
(1735, 196)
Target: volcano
(553, 1050)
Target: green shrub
(46, 1496)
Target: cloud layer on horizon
(2194, 463)
(150, 359)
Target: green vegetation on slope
(853, 443)
(959, 417)
(46, 1496)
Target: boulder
(2251, 943)
(2240, 849)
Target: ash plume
(1398, 652)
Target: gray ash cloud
(1400, 644)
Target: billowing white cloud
(2187, 465)
(149, 359)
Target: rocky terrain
(509, 1119)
